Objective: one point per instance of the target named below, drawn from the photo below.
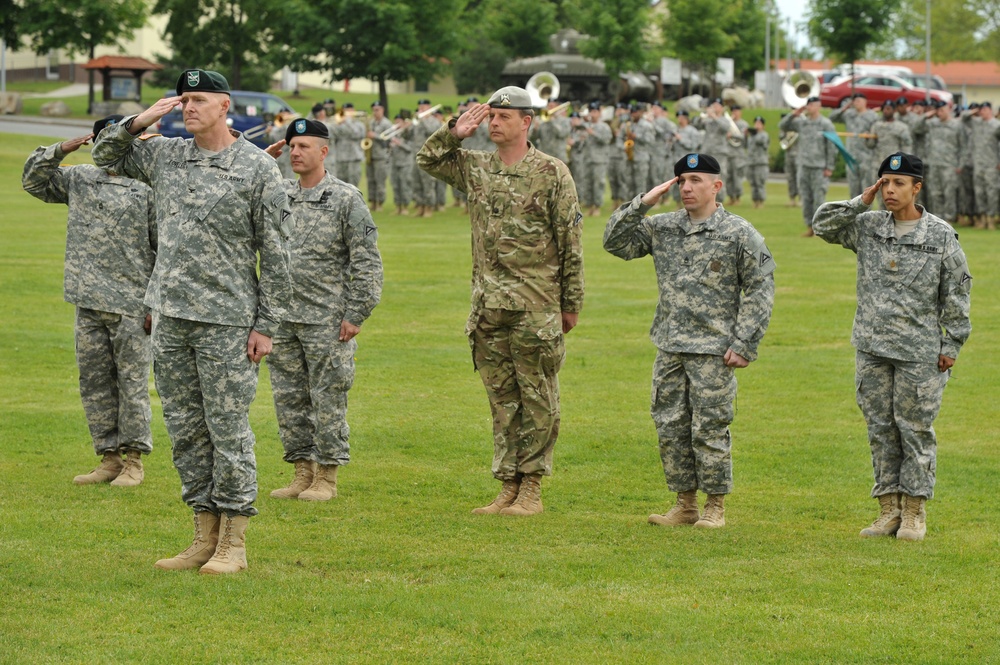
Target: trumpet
(547, 115)
(393, 132)
(340, 116)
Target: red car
(877, 89)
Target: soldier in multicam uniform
(984, 132)
(527, 284)
(549, 135)
(735, 156)
(110, 252)
(598, 153)
(346, 133)
(791, 140)
(716, 284)
(816, 156)
(758, 161)
(912, 319)
(715, 139)
(401, 171)
(858, 119)
(220, 210)
(945, 140)
(377, 162)
(424, 185)
(686, 141)
(337, 273)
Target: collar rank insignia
(504, 100)
(194, 77)
(300, 126)
(895, 162)
(692, 161)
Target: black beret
(657, 103)
(902, 101)
(306, 127)
(376, 103)
(736, 107)
(106, 122)
(683, 112)
(812, 99)
(635, 108)
(317, 107)
(348, 105)
(423, 101)
(472, 100)
(986, 105)
(901, 163)
(919, 102)
(329, 101)
(621, 105)
(717, 100)
(973, 105)
(860, 95)
(761, 118)
(202, 80)
(594, 106)
(889, 102)
(697, 163)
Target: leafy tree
(78, 26)
(478, 69)
(845, 29)
(746, 24)
(521, 26)
(696, 31)
(10, 27)
(239, 38)
(616, 29)
(956, 32)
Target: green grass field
(396, 570)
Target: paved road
(56, 128)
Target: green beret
(201, 80)
(511, 97)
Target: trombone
(427, 112)
(547, 115)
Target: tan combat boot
(685, 511)
(529, 497)
(506, 497)
(714, 515)
(964, 221)
(109, 468)
(991, 223)
(301, 482)
(231, 553)
(979, 222)
(889, 517)
(132, 474)
(914, 524)
(206, 536)
(324, 484)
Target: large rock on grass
(56, 109)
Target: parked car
(920, 81)
(877, 88)
(249, 113)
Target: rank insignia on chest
(892, 265)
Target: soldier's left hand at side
(569, 321)
(258, 346)
(945, 363)
(733, 359)
(348, 331)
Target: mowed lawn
(397, 570)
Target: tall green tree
(616, 29)
(239, 38)
(10, 22)
(391, 40)
(846, 29)
(79, 26)
(957, 32)
(696, 32)
(746, 23)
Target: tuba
(542, 87)
(734, 136)
(799, 86)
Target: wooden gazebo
(121, 77)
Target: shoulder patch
(578, 220)
(369, 229)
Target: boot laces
(222, 549)
(910, 516)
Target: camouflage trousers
(349, 172)
(402, 192)
(311, 372)
(758, 181)
(617, 179)
(637, 176)
(967, 191)
(578, 171)
(792, 173)
(440, 192)
(724, 177)
(944, 194)
(518, 356)
(376, 171)
(734, 176)
(206, 383)
(459, 196)
(692, 407)
(812, 188)
(857, 178)
(900, 401)
(595, 181)
(112, 353)
(658, 170)
(423, 187)
(987, 183)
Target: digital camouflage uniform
(215, 216)
(913, 305)
(377, 168)
(401, 169)
(597, 154)
(945, 143)
(689, 142)
(716, 289)
(659, 165)
(527, 268)
(550, 135)
(637, 168)
(577, 154)
(347, 152)
(791, 166)
(891, 136)
(424, 185)
(815, 155)
(337, 273)
(856, 123)
(284, 160)
(110, 252)
(715, 143)
(984, 136)
(758, 145)
(736, 160)
(966, 179)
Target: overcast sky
(794, 9)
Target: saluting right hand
(869, 194)
(153, 114)
(653, 196)
(74, 144)
(469, 121)
(275, 149)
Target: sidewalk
(74, 90)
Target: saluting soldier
(735, 156)
(716, 282)
(858, 119)
(945, 140)
(111, 241)
(662, 148)
(377, 166)
(642, 134)
(687, 140)
(817, 156)
(890, 136)
(527, 288)
(715, 139)
(758, 161)
(617, 174)
(337, 272)
(218, 295)
(984, 131)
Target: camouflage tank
(580, 78)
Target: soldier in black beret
(105, 122)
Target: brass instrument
(788, 140)
(393, 132)
(799, 86)
(427, 112)
(547, 115)
(542, 87)
(734, 136)
(629, 142)
(366, 143)
(340, 116)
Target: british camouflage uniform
(815, 155)
(216, 215)
(913, 306)
(111, 243)
(337, 272)
(716, 292)
(527, 268)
